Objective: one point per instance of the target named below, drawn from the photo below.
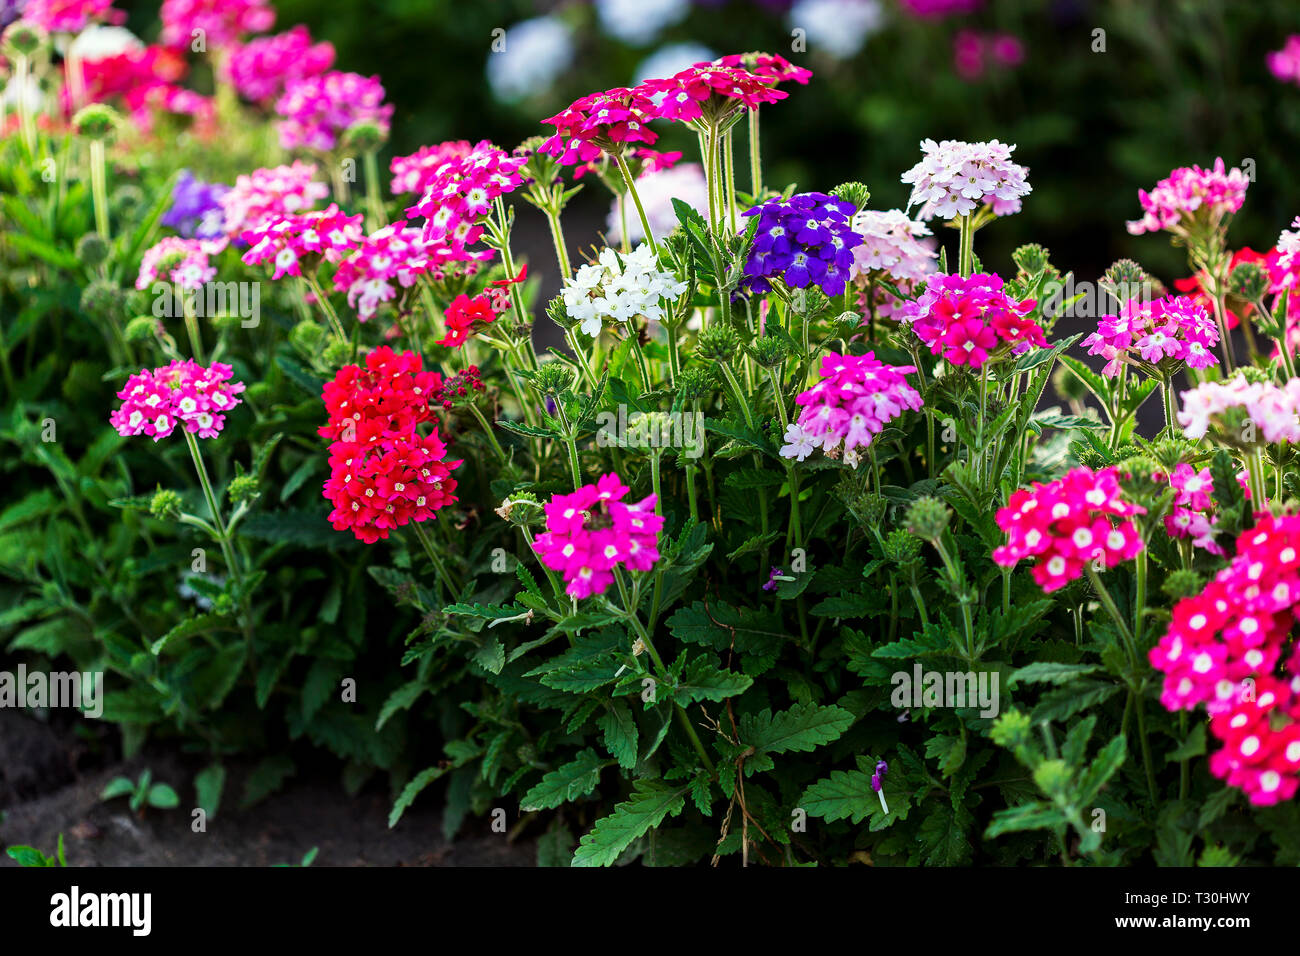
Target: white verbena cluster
(619, 288)
(955, 178)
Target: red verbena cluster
(383, 472)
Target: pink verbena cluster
(388, 259)
(892, 244)
(261, 68)
(70, 16)
(1162, 333)
(1188, 192)
(1192, 515)
(266, 195)
(317, 110)
(223, 22)
(600, 123)
(1267, 410)
(183, 262)
(972, 321)
(462, 190)
(858, 395)
(1285, 63)
(712, 92)
(383, 472)
(182, 393)
(956, 178)
(770, 67)
(329, 233)
(592, 532)
(414, 173)
(1067, 523)
(1222, 649)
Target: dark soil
(50, 783)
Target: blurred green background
(1179, 82)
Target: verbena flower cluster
(973, 320)
(593, 532)
(182, 393)
(184, 262)
(260, 69)
(1065, 525)
(956, 178)
(259, 199)
(318, 109)
(383, 472)
(460, 191)
(329, 233)
(1187, 192)
(389, 259)
(858, 395)
(803, 241)
(414, 173)
(1270, 412)
(196, 210)
(1222, 649)
(618, 288)
(1175, 329)
(1193, 512)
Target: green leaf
(163, 797)
(574, 779)
(412, 790)
(845, 794)
(1109, 760)
(1065, 702)
(117, 787)
(803, 727)
(266, 778)
(400, 699)
(650, 803)
(704, 680)
(621, 734)
(1028, 816)
(208, 784)
(1049, 672)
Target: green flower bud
(142, 328)
(902, 548)
(1068, 385)
(1011, 730)
(337, 353)
(166, 504)
(718, 343)
(22, 38)
(1126, 280)
(856, 193)
(1249, 281)
(96, 121)
(1182, 584)
(92, 249)
(928, 518)
(1052, 776)
(102, 301)
(365, 136)
(126, 200)
(696, 383)
(769, 351)
(308, 337)
(242, 488)
(871, 508)
(553, 378)
(1031, 259)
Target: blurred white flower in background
(685, 181)
(99, 42)
(671, 59)
(535, 53)
(639, 22)
(837, 27)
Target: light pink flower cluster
(1170, 330)
(266, 195)
(592, 532)
(317, 110)
(892, 244)
(971, 321)
(461, 192)
(956, 178)
(1222, 649)
(261, 68)
(1066, 523)
(412, 174)
(182, 393)
(223, 22)
(70, 16)
(858, 395)
(1193, 516)
(1270, 411)
(1188, 192)
(183, 262)
(330, 233)
(388, 259)
(1285, 63)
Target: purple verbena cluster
(804, 240)
(196, 211)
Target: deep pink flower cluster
(183, 262)
(223, 22)
(599, 123)
(383, 472)
(971, 321)
(1192, 516)
(461, 192)
(687, 95)
(1066, 523)
(261, 68)
(412, 174)
(1285, 63)
(1161, 333)
(266, 195)
(389, 258)
(70, 16)
(1222, 649)
(858, 395)
(330, 233)
(182, 393)
(771, 67)
(591, 532)
(317, 110)
(1187, 192)
(975, 52)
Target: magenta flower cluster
(971, 320)
(317, 110)
(183, 393)
(1169, 330)
(1187, 192)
